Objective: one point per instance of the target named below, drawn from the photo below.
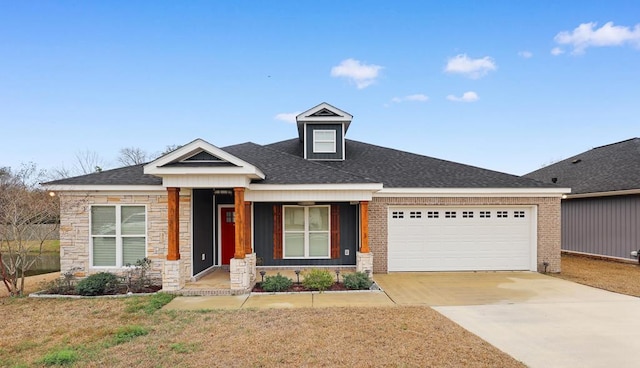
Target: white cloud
(363, 75)
(557, 51)
(472, 68)
(586, 35)
(525, 54)
(466, 97)
(287, 117)
(416, 98)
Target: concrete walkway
(292, 300)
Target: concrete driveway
(540, 320)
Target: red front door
(227, 233)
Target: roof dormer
(322, 130)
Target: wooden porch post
(238, 201)
(173, 224)
(364, 227)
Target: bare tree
(23, 209)
(133, 156)
(86, 162)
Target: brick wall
(548, 223)
(74, 229)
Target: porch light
(337, 275)
(297, 276)
(262, 273)
(52, 194)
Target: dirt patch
(604, 274)
(331, 337)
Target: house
(318, 200)
(601, 216)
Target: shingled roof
(399, 169)
(283, 163)
(608, 168)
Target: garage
(461, 238)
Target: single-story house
(601, 216)
(318, 200)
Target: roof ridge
(611, 144)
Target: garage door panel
(460, 243)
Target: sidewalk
(291, 300)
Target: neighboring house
(601, 216)
(318, 200)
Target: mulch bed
(297, 288)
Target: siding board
(605, 226)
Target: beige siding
(74, 229)
(548, 223)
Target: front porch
(240, 275)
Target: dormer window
(324, 141)
(321, 130)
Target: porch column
(173, 219)
(238, 201)
(364, 227)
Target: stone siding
(75, 209)
(548, 233)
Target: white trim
(241, 167)
(472, 192)
(102, 188)
(343, 116)
(344, 145)
(316, 140)
(308, 195)
(604, 194)
(304, 140)
(219, 218)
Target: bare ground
(609, 275)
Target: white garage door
(461, 239)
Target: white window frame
(118, 235)
(316, 140)
(306, 232)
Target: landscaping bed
(609, 275)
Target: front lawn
(623, 278)
(131, 332)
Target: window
(502, 214)
(324, 141)
(397, 214)
(467, 214)
(518, 214)
(450, 214)
(118, 235)
(485, 214)
(306, 232)
(433, 214)
(415, 214)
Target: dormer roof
(323, 113)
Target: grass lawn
(49, 246)
(120, 333)
(614, 276)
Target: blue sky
(504, 85)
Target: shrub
(357, 281)
(60, 357)
(137, 277)
(98, 284)
(317, 279)
(276, 283)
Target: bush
(60, 357)
(98, 284)
(357, 281)
(317, 279)
(276, 283)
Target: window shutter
(247, 228)
(335, 231)
(277, 232)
